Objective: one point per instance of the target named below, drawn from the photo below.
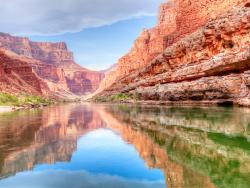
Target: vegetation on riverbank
(23, 100)
(120, 97)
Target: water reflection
(34, 137)
(125, 146)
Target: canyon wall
(206, 58)
(17, 76)
(50, 53)
(147, 46)
(191, 15)
(53, 64)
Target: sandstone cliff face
(211, 64)
(191, 15)
(17, 76)
(53, 64)
(84, 81)
(147, 46)
(50, 53)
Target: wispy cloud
(78, 179)
(47, 17)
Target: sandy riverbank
(6, 109)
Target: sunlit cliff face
(193, 147)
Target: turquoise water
(110, 146)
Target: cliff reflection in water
(38, 136)
(193, 147)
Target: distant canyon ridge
(43, 68)
(199, 52)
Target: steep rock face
(54, 64)
(211, 64)
(84, 81)
(177, 18)
(18, 76)
(147, 46)
(50, 53)
(191, 15)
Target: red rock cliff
(147, 46)
(206, 58)
(17, 76)
(191, 15)
(54, 64)
(177, 18)
(50, 53)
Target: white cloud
(48, 17)
(77, 179)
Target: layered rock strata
(52, 63)
(18, 76)
(147, 46)
(211, 65)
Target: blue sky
(99, 48)
(97, 31)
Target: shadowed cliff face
(203, 56)
(17, 75)
(193, 147)
(53, 65)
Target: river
(125, 146)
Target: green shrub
(7, 99)
(22, 99)
(112, 98)
(120, 97)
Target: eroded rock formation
(17, 76)
(53, 64)
(198, 52)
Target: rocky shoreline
(173, 104)
(4, 109)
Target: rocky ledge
(208, 65)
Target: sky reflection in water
(125, 146)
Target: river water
(125, 146)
